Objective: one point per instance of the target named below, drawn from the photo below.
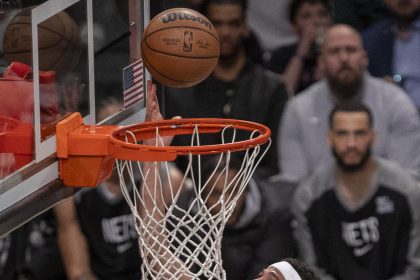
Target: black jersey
(31, 251)
(255, 95)
(377, 240)
(111, 236)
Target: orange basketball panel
(184, 42)
(178, 69)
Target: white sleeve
(292, 159)
(404, 134)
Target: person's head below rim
(309, 12)
(351, 136)
(229, 19)
(223, 180)
(304, 271)
(343, 61)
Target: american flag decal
(133, 83)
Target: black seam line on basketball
(43, 26)
(56, 33)
(182, 56)
(45, 48)
(66, 47)
(154, 69)
(183, 26)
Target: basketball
(180, 47)
(58, 41)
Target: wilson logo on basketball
(185, 16)
(203, 45)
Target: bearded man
(302, 145)
(358, 217)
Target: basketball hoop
(176, 242)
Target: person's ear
(330, 137)
(365, 59)
(373, 137)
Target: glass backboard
(59, 57)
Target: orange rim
(131, 151)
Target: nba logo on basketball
(188, 38)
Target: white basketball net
(178, 242)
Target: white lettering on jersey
(124, 247)
(119, 229)
(384, 205)
(361, 235)
(358, 252)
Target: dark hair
(212, 162)
(295, 5)
(303, 269)
(204, 6)
(351, 107)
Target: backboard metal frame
(44, 149)
(36, 187)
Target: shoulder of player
(315, 186)
(395, 178)
(83, 194)
(267, 78)
(316, 95)
(276, 192)
(377, 30)
(379, 88)
(392, 175)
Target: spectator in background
(238, 88)
(360, 14)
(358, 217)
(259, 232)
(256, 234)
(251, 39)
(268, 19)
(393, 46)
(31, 252)
(304, 124)
(298, 63)
(96, 233)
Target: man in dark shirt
(96, 234)
(31, 252)
(238, 88)
(258, 232)
(393, 46)
(297, 63)
(358, 217)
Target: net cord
(183, 243)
